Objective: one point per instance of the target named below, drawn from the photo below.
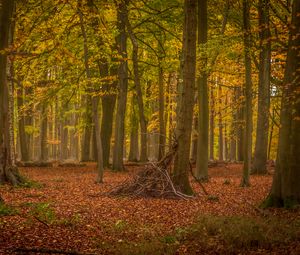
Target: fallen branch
(198, 181)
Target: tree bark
(134, 138)
(137, 83)
(43, 133)
(95, 100)
(261, 144)
(202, 151)
(108, 107)
(161, 100)
(285, 191)
(248, 95)
(8, 171)
(185, 110)
(21, 124)
(122, 88)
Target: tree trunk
(137, 83)
(233, 128)
(134, 138)
(285, 189)
(122, 88)
(8, 171)
(43, 133)
(221, 139)
(21, 124)
(261, 144)
(95, 100)
(202, 158)
(212, 126)
(185, 110)
(87, 134)
(248, 93)
(108, 107)
(161, 100)
(240, 125)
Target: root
(11, 175)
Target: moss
(6, 210)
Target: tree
(285, 191)
(95, 101)
(261, 144)
(137, 83)
(122, 88)
(248, 95)
(8, 171)
(185, 109)
(202, 150)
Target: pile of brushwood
(152, 181)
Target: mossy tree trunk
(8, 171)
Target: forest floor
(65, 211)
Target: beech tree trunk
(221, 139)
(185, 109)
(108, 107)
(212, 126)
(8, 171)
(134, 137)
(285, 191)
(248, 95)
(95, 100)
(261, 144)
(202, 151)
(21, 124)
(137, 83)
(161, 100)
(43, 133)
(122, 88)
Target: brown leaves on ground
(69, 211)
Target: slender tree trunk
(240, 125)
(285, 189)
(261, 144)
(21, 124)
(138, 87)
(134, 138)
(248, 93)
(43, 133)
(161, 99)
(185, 110)
(95, 100)
(221, 139)
(194, 139)
(233, 128)
(87, 134)
(202, 159)
(212, 126)
(122, 88)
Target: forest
(149, 127)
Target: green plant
(72, 221)
(43, 212)
(6, 210)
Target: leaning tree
(285, 191)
